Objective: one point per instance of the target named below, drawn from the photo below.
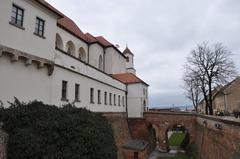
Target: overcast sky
(160, 33)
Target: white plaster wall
(85, 85)
(75, 65)
(25, 40)
(135, 99)
(95, 50)
(131, 70)
(66, 36)
(27, 83)
(114, 62)
(130, 63)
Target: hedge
(40, 131)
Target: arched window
(82, 54)
(59, 42)
(70, 48)
(100, 63)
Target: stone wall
(140, 129)
(120, 130)
(217, 138)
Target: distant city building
(45, 56)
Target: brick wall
(213, 143)
(120, 130)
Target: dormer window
(17, 16)
(39, 27)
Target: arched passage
(177, 136)
(58, 42)
(165, 121)
(82, 54)
(70, 48)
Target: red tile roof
(50, 7)
(128, 78)
(70, 26)
(90, 38)
(103, 41)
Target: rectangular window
(91, 95)
(77, 86)
(39, 27)
(119, 104)
(123, 102)
(17, 16)
(110, 98)
(105, 98)
(114, 99)
(99, 96)
(64, 90)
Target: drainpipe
(104, 52)
(126, 94)
(88, 53)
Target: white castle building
(45, 56)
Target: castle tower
(129, 61)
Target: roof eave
(49, 8)
(117, 51)
(61, 26)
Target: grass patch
(179, 156)
(176, 139)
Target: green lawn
(176, 139)
(179, 156)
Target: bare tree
(192, 89)
(210, 66)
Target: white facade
(24, 39)
(114, 62)
(137, 99)
(130, 61)
(61, 64)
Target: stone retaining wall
(217, 138)
(120, 130)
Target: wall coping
(209, 117)
(219, 119)
(171, 113)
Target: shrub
(39, 131)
